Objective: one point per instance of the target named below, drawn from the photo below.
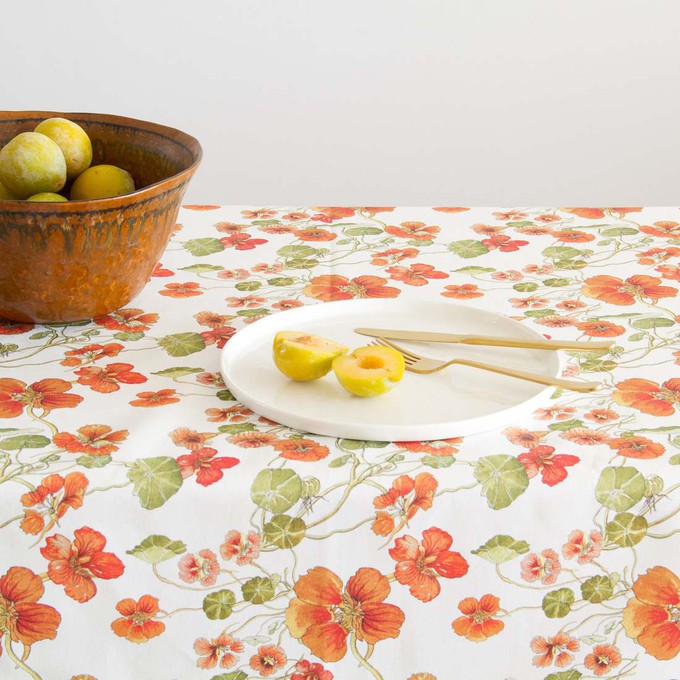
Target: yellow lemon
(102, 181)
(369, 371)
(304, 357)
(73, 142)
(46, 197)
(5, 193)
(32, 163)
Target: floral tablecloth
(153, 527)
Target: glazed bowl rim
(184, 139)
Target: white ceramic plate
(455, 402)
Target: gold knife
(468, 339)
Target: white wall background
(416, 102)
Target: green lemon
(73, 142)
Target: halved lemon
(369, 371)
(304, 357)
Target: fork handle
(534, 344)
(526, 375)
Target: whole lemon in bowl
(32, 163)
(102, 181)
(46, 197)
(73, 142)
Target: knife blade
(470, 339)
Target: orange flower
(269, 658)
(442, 447)
(466, 291)
(259, 214)
(330, 287)
(129, 319)
(46, 394)
(602, 659)
(376, 209)
(287, 304)
(600, 329)
(181, 290)
(652, 617)
(637, 447)
(322, 615)
(403, 501)
(74, 564)
(247, 301)
(189, 439)
(647, 396)
(392, 256)
(96, 440)
(522, 437)
(205, 465)
(211, 319)
(55, 495)
(91, 353)
(331, 214)
(151, 399)
(106, 379)
(21, 617)
(14, 327)
(557, 412)
(584, 549)
(201, 566)
(573, 236)
(663, 229)
(137, 623)
(301, 449)
(555, 649)
(315, 234)
(585, 437)
(245, 550)
(419, 564)
(222, 650)
(416, 274)
(201, 207)
(548, 217)
(253, 440)
(508, 216)
(422, 676)
(476, 623)
(416, 231)
(598, 213)
(618, 292)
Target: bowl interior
(149, 152)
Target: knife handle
(534, 344)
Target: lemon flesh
(304, 357)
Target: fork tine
(408, 360)
(406, 353)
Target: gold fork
(419, 364)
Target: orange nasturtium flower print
(477, 623)
(557, 649)
(22, 618)
(74, 564)
(616, 291)
(652, 617)
(137, 623)
(152, 399)
(323, 614)
(602, 659)
(52, 497)
(91, 353)
(415, 231)
(269, 658)
(222, 650)
(648, 396)
(637, 447)
(420, 563)
(306, 450)
(398, 505)
(128, 319)
(664, 229)
(95, 440)
(330, 287)
(598, 213)
(45, 394)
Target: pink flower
(247, 301)
(538, 269)
(571, 305)
(264, 268)
(545, 567)
(556, 412)
(586, 549)
(546, 219)
(287, 304)
(585, 437)
(509, 216)
(510, 275)
(233, 274)
(556, 321)
(218, 651)
(201, 567)
(244, 550)
(531, 302)
(306, 670)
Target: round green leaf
(24, 441)
(156, 549)
(284, 531)
(626, 529)
(281, 281)
(302, 264)
(556, 283)
(501, 549)
(503, 479)
(199, 247)
(654, 322)
(438, 462)
(526, 287)
(240, 675)
(155, 480)
(619, 231)
(310, 487)
(182, 344)
(276, 490)
(128, 336)
(363, 231)
(296, 252)
(219, 605)
(474, 270)
(620, 488)
(468, 248)
(339, 461)
(258, 590)
(561, 252)
(573, 674)
(597, 589)
(557, 603)
(225, 395)
(247, 285)
(90, 461)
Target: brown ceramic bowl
(75, 260)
